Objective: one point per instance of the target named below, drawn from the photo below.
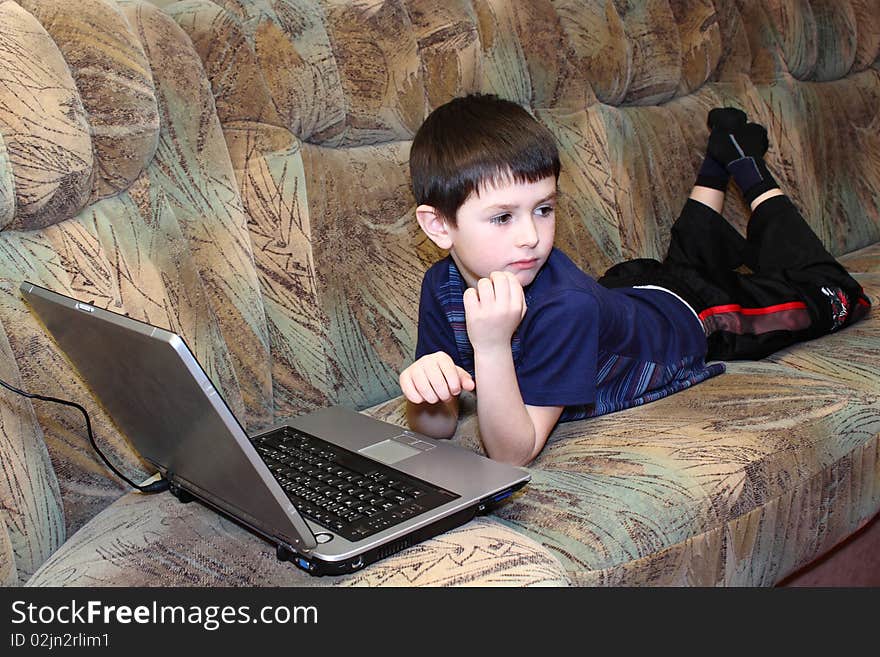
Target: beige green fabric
(236, 171)
(157, 541)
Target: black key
(395, 496)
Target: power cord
(155, 487)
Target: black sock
(752, 177)
(712, 173)
(742, 153)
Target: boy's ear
(434, 225)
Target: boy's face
(508, 227)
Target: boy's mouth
(524, 264)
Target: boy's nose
(528, 234)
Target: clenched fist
(493, 309)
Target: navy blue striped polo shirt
(590, 349)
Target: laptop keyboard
(343, 491)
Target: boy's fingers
(423, 386)
(470, 299)
(467, 381)
(409, 389)
(522, 300)
(517, 295)
(486, 290)
(450, 375)
(437, 381)
(500, 286)
(516, 291)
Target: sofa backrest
(236, 171)
(319, 100)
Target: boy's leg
(797, 290)
(713, 174)
(701, 237)
(781, 243)
(700, 240)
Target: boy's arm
(432, 385)
(511, 431)
(436, 420)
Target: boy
(544, 341)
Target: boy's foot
(712, 173)
(741, 151)
(726, 119)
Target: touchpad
(389, 451)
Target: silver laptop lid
(162, 400)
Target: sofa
(236, 171)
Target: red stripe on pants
(733, 318)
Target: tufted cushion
(172, 249)
(449, 47)
(701, 42)
(42, 120)
(114, 82)
(868, 33)
(193, 172)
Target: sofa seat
(863, 261)
(738, 481)
(155, 540)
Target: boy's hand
(434, 378)
(493, 310)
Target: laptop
(333, 490)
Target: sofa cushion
(31, 516)
(8, 570)
(35, 75)
(114, 82)
(711, 486)
(7, 187)
(866, 260)
(851, 356)
(192, 171)
(155, 540)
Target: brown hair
(473, 141)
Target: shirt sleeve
(557, 365)
(434, 330)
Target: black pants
(794, 290)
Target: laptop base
(319, 567)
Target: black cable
(155, 487)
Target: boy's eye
(501, 218)
(544, 210)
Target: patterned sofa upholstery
(236, 171)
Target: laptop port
(501, 496)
